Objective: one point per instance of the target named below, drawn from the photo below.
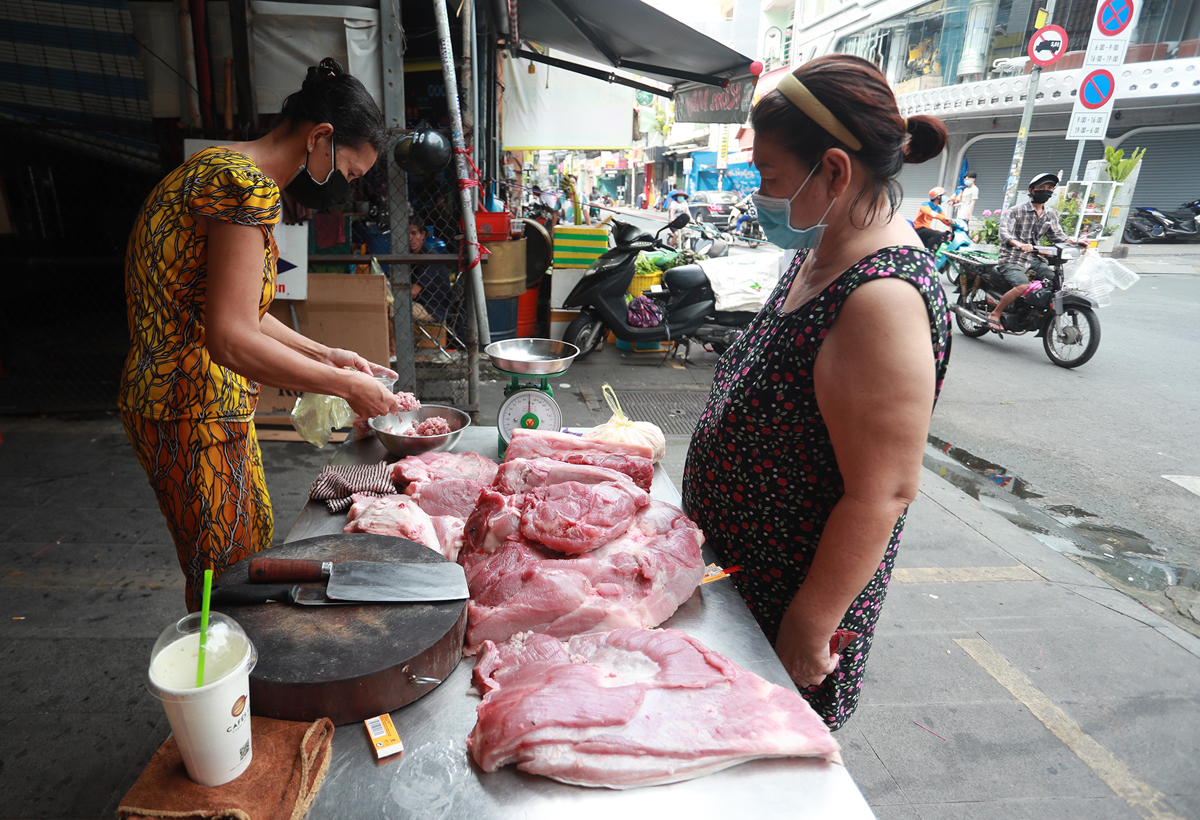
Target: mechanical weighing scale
(529, 401)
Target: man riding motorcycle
(931, 210)
(1020, 229)
(745, 206)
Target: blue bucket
(502, 318)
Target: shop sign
(1111, 29)
(291, 280)
(723, 148)
(707, 103)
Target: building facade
(965, 62)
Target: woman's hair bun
(926, 138)
(327, 69)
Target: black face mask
(319, 196)
(1040, 197)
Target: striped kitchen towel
(336, 484)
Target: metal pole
(1014, 172)
(1078, 159)
(470, 238)
(391, 27)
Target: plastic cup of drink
(211, 722)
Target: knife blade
(369, 580)
(247, 594)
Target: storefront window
(954, 41)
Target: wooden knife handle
(264, 570)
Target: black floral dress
(761, 477)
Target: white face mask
(775, 219)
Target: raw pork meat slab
(631, 459)
(400, 516)
(428, 467)
(518, 585)
(632, 707)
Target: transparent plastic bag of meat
(623, 430)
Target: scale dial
(529, 409)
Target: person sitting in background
(1021, 228)
(430, 283)
(931, 210)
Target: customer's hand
(805, 655)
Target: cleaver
(247, 594)
(362, 581)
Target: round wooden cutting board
(346, 662)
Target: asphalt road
(1096, 441)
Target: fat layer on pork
(631, 707)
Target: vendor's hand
(368, 398)
(348, 358)
(805, 656)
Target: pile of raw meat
(632, 707)
(562, 542)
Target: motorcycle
(703, 239)
(1152, 225)
(1064, 317)
(957, 240)
(749, 229)
(686, 300)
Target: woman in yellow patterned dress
(199, 278)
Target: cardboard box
(342, 310)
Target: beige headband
(803, 99)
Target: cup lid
(227, 648)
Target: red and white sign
(1047, 45)
(1111, 29)
(1093, 106)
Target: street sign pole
(1014, 171)
(1078, 159)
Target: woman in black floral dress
(809, 450)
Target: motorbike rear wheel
(1134, 235)
(1072, 337)
(977, 305)
(586, 332)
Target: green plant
(989, 229)
(1109, 230)
(1120, 168)
(1068, 212)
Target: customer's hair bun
(327, 69)
(926, 138)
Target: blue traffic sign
(1114, 16)
(1097, 89)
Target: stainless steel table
(436, 778)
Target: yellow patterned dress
(191, 421)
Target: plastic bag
(644, 312)
(1097, 276)
(620, 429)
(316, 416)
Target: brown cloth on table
(290, 760)
(337, 483)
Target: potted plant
(988, 232)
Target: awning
(631, 36)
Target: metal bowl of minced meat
(531, 357)
(391, 430)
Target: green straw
(204, 626)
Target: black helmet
(422, 151)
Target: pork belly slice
(631, 707)
(449, 496)
(396, 515)
(413, 472)
(534, 443)
(517, 585)
(638, 468)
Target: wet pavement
(1008, 679)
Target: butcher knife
(360, 581)
(247, 594)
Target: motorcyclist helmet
(934, 193)
(1042, 179)
(423, 151)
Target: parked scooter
(704, 240)
(1153, 225)
(956, 241)
(687, 301)
(1064, 318)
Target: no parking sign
(1111, 29)
(1093, 106)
